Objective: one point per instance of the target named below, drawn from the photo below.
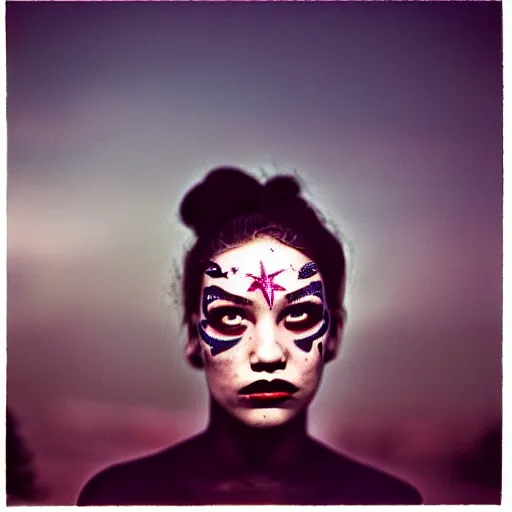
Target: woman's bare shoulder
(355, 482)
(145, 480)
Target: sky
(390, 114)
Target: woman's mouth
(265, 391)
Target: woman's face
(263, 328)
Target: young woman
(263, 304)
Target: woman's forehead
(273, 254)
(268, 266)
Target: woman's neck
(253, 450)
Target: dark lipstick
(276, 389)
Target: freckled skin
(265, 340)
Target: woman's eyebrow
(308, 270)
(211, 293)
(315, 288)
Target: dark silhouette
(482, 465)
(263, 294)
(20, 475)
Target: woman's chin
(264, 417)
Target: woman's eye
(231, 320)
(228, 321)
(297, 317)
(302, 317)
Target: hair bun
(228, 192)
(282, 188)
(225, 193)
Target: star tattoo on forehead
(266, 284)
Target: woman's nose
(267, 354)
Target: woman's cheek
(221, 369)
(311, 364)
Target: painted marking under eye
(217, 345)
(305, 344)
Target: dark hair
(230, 208)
